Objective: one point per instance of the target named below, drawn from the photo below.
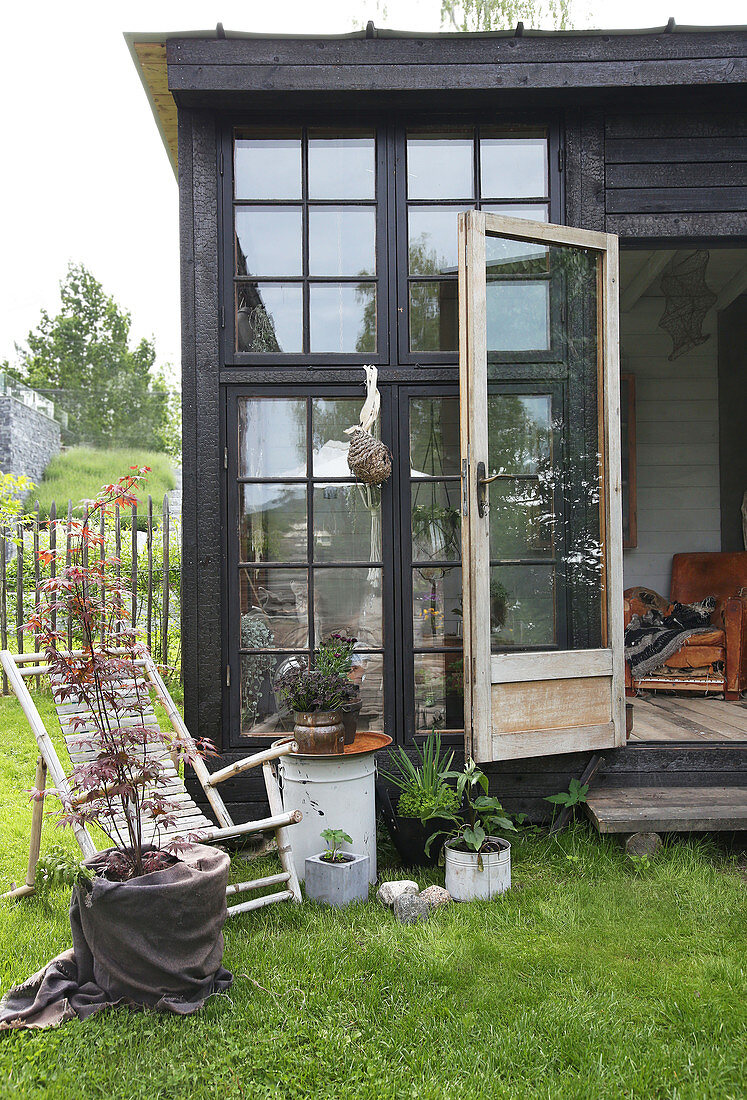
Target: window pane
(432, 236)
(268, 240)
(522, 606)
(342, 167)
(513, 167)
(272, 437)
(342, 240)
(269, 317)
(518, 315)
(532, 212)
(520, 434)
(347, 523)
(505, 257)
(436, 607)
(434, 316)
(368, 672)
(343, 317)
(349, 601)
(281, 598)
(436, 521)
(273, 522)
(260, 709)
(439, 691)
(440, 166)
(521, 519)
(330, 416)
(434, 436)
(267, 168)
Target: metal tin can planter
(350, 714)
(319, 732)
(465, 881)
(339, 883)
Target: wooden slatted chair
(190, 818)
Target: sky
(85, 176)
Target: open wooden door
(541, 488)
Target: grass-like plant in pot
(478, 863)
(425, 801)
(147, 913)
(316, 699)
(336, 877)
(335, 657)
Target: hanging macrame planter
(369, 459)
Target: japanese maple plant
(121, 783)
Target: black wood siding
(677, 173)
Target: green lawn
(593, 978)
(80, 472)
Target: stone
(388, 892)
(410, 909)
(436, 896)
(642, 844)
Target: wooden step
(668, 809)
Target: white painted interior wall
(677, 441)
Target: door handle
(482, 481)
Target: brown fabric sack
(154, 941)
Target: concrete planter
(337, 884)
(466, 881)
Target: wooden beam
(644, 278)
(729, 293)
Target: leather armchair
(720, 656)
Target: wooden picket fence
(155, 584)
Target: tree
(496, 15)
(82, 358)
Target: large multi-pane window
(309, 552)
(448, 172)
(341, 249)
(305, 213)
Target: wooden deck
(668, 809)
(666, 717)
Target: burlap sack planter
(154, 941)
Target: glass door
(541, 498)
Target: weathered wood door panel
(541, 488)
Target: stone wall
(28, 439)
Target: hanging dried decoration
(688, 299)
(369, 459)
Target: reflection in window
(341, 166)
(309, 552)
(269, 317)
(343, 317)
(267, 167)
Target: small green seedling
(335, 839)
(57, 867)
(574, 796)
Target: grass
(594, 978)
(79, 473)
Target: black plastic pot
(408, 834)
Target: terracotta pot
(320, 732)
(350, 714)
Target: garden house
(464, 212)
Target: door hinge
(474, 669)
(228, 676)
(222, 316)
(225, 458)
(465, 487)
(466, 674)
(561, 158)
(220, 163)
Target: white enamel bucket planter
(465, 881)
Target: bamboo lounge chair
(190, 818)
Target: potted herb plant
(335, 877)
(425, 801)
(316, 699)
(335, 657)
(147, 913)
(478, 863)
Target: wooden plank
(626, 200)
(549, 742)
(668, 809)
(702, 128)
(677, 224)
(508, 668)
(704, 713)
(636, 175)
(682, 726)
(518, 708)
(674, 151)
